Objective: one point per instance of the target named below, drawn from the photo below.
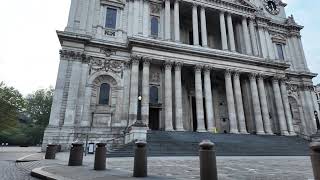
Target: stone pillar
(136, 14)
(231, 33)
(310, 108)
(167, 20)
(133, 108)
(203, 27)
(72, 14)
(279, 105)
(223, 31)
(130, 17)
(168, 96)
(239, 103)
(256, 104)
(263, 43)
(269, 45)
(264, 106)
(199, 99)
(195, 24)
(208, 99)
(253, 38)
(58, 93)
(145, 91)
(284, 94)
(246, 35)
(275, 50)
(303, 113)
(303, 57)
(146, 18)
(176, 21)
(294, 56)
(230, 102)
(178, 97)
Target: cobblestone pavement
(229, 168)
(10, 170)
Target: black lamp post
(139, 122)
(317, 120)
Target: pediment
(245, 3)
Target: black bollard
(100, 157)
(208, 164)
(315, 159)
(140, 160)
(76, 154)
(51, 151)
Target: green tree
(38, 106)
(11, 103)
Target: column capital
(194, 4)
(135, 59)
(198, 68)
(177, 1)
(228, 72)
(275, 79)
(252, 76)
(126, 65)
(168, 64)
(146, 61)
(207, 68)
(178, 65)
(261, 76)
(237, 73)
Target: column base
(270, 133)
(292, 134)
(201, 130)
(234, 132)
(180, 129)
(244, 132)
(169, 129)
(285, 133)
(261, 133)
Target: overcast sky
(29, 47)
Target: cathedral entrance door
(154, 118)
(194, 114)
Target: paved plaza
(182, 168)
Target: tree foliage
(35, 106)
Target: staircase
(164, 143)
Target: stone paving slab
(187, 168)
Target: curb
(41, 174)
(24, 158)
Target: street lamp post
(139, 122)
(317, 120)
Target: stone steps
(162, 143)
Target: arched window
(153, 95)
(104, 94)
(154, 26)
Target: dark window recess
(280, 51)
(111, 18)
(153, 95)
(104, 94)
(154, 26)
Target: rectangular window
(154, 26)
(280, 52)
(111, 18)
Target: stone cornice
(199, 51)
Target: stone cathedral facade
(223, 66)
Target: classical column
(199, 99)
(130, 17)
(208, 99)
(146, 18)
(73, 91)
(72, 14)
(168, 96)
(284, 94)
(223, 31)
(294, 56)
(230, 102)
(246, 35)
(305, 130)
(178, 96)
(176, 21)
(195, 24)
(145, 91)
(279, 106)
(303, 57)
(136, 14)
(264, 106)
(167, 21)
(239, 103)
(256, 104)
(231, 33)
(269, 44)
(133, 108)
(263, 43)
(203, 27)
(253, 38)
